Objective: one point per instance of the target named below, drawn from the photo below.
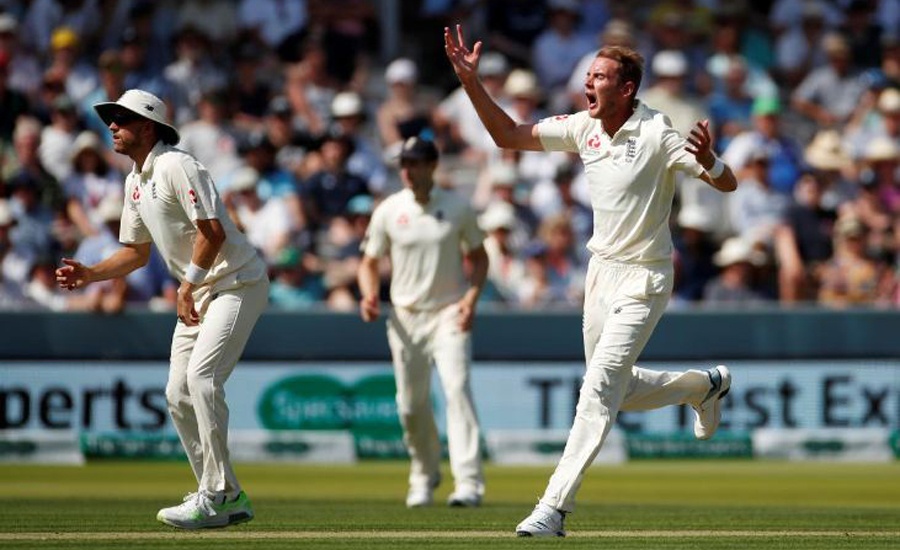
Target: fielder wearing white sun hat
(143, 104)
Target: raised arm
(718, 174)
(507, 134)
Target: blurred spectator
(112, 86)
(192, 73)
(731, 103)
(67, 59)
(293, 286)
(501, 180)
(694, 249)
(880, 117)
(788, 14)
(216, 20)
(406, 111)
(826, 155)
(669, 95)
(107, 296)
(785, 155)
(28, 165)
(347, 27)
(57, 138)
(14, 102)
(327, 192)
(799, 45)
(91, 181)
(291, 144)
(735, 36)
(212, 137)
(803, 243)
(506, 270)
(33, 231)
(514, 26)
(558, 49)
(140, 73)
(863, 33)
(15, 260)
(249, 92)
(456, 120)
(267, 223)
(339, 250)
(273, 22)
(849, 278)
(44, 16)
(830, 93)
(734, 286)
(555, 198)
(350, 118)
(755, 209)
(23, 70)
(881, 158)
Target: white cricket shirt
(631, 180)
(426, 245)
(164, 199)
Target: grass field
(649, 505)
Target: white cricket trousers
(201, 361)
(417, 338)
(622, 305)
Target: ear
(628, 89)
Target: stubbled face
(605, 94)
(127, 131)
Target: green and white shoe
(202, 511)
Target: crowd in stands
(298, 116)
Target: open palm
(464, 61)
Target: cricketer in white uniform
(428, 233)
(631, 155)
(172, 202)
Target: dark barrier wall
(681, 335)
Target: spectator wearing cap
(558, 49)
(212, 137)
(294, 286)
(268, 224)
(829, 94)
(68, 60)
(192, 73)
(58, 137)
(881, 121)
(668, 94)
(349, 116)
(274, 181)
(44, 16)
(882, 157)
(506, 270)
(20, 67)
(501, 180)
(406, 111)
(827, 156)
(755, 209)
(850, 277)
(327, 192)
(456, 120)
(735, 285)
(785, 153)
(91, 181)
(803, 243)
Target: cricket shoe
(202, 511)
(464, 498)
(419, 497)
(709, 411)
(544, 521)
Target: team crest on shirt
(631, 149)
(192, 196)
(136, 194)
(403, 220)
(594, 141)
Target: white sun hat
(144, 104)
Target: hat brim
(107, 109)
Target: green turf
(647, 505)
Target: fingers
(459, 36)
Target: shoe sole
(542, 535)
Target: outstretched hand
(700, 144)
(73, 275)
(464, 61)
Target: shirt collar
(147, 168)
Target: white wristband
(195, 274)
(717, 168)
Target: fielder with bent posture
(630, 155)
(424, 229)
(170, 200)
